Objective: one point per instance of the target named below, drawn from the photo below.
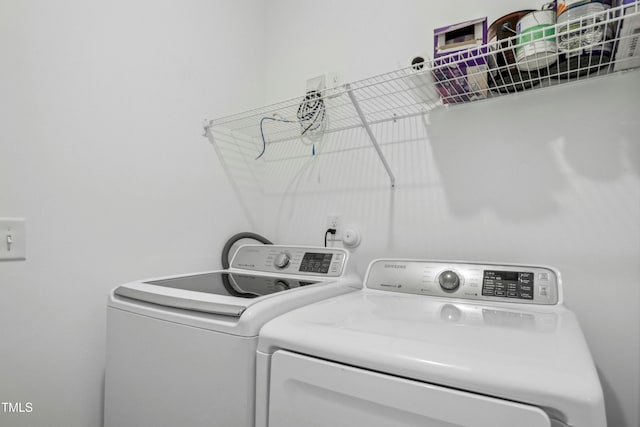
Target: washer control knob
(282, 260)
(281, 285)
(449, 280)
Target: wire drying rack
(594, 45)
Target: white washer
(431, 344)
(181, 350)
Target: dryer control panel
(476, 281)
(298, 260)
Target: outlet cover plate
(334, 221)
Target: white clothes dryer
(431, 344)
(181, 349)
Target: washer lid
(530, 354)
(217, 292)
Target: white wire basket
(592, 45)
(575, 49)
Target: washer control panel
(486, 282)
(300, 260)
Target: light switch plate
(13, 239)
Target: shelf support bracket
(209, 135)
(372, 137)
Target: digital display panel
(315, 262)
(508, 284)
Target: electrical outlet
(334, 79)
(334, 84)
(334, 221)
(317, 83)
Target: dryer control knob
(282, 260)
(449, 280)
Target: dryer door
(310, 392)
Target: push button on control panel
(489, 290)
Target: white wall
(550, 177)
(100, 112)
(101, 107)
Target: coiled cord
(311, 112)
(311, 116)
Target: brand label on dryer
(397, 266)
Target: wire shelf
(595, 44)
